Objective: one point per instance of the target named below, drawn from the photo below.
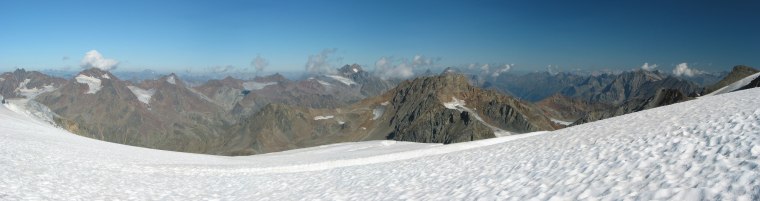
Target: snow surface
(342, 79)
(323, 117)
(705, 149)
(93, 84)
(566, 123)
(355, 70)
(734, 86)
(253, 85)
(143, 95)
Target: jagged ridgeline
(266, 114)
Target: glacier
(705, 149)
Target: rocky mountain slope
(439, 109)
(160, 114)
(661, 98)
(27, 84)
(736, 74)
(245, 97)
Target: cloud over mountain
(683, 69)
(320, 63)
(648, 67)
(93, 59)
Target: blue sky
(175, 36)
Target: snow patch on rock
(93, 84)
(557, 121)
(171, 80)
(143, 95)
(253, 85)
(323, 117)
(342, 79)
(30, 93)
(323, 83)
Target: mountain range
(272, 113)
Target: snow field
(707, 148)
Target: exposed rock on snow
(93, 84)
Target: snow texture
(143, 95)
(705, 149)
(256, 85)
(734, 86)
(93, 84)
(323, 117)
(342, 79)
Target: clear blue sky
(168, 35)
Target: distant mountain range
(265, 114)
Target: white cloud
(385, 69)
(648, 67)
(422, 60)
(683, 69)
(93, 59)
(505, 68)
(320, 63)
(259, 63)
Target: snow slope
(707, 148)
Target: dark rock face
(661, 98)
(417, 113)
(568, 109)
(737, 73)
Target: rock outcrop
(661, 98)
(737, 73)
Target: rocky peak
(737, 73)
(350, 69)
